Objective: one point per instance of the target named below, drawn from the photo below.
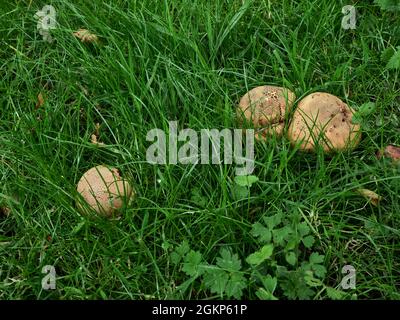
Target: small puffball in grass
(86, 36)
(324, 119)
(104, 190)
(266, 107)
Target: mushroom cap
(324, 118)
(104, 190)
(266, 107)
(392, 152)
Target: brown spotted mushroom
(391, 152)
(323, 118)
(266, 108)
(104, 190)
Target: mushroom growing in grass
(323, 119)
(104, 190)
(392, 152)
(266, 108)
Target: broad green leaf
(394, 61)
(225, 278)
(311, 281)
(281, 235)
(308, 241)
(216, 280)
(179, 252)
(334, 294)
(184, 286)
(387, 54)
(389, 5)
(175, 258)
(260, 256)
(316, 258)
(236, 283)
(367, 108)
(191, 263)
(262, 294)
(245, 181)
(294, 285)
(291, 258)
(293, 241)
(319, 270)
(270, 283)
(240, 192)
(165, 245)
(303, 229)
(273, 221)
(229, 262)
(261, 232)
(183, 248)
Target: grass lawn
(191, 232)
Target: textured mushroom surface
(391, 152)
(266, 107)
(104, 190)
(324, 118)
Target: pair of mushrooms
(319, 119)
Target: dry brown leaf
(391, 152)
(86, 36)
(40, 101)
(93, 139)
(97, 131)
(85, 91)
(372, 196)
(6, 211)
(95, 136)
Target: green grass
(189, 61)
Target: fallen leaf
(40, 101)
(371, 196)
(93, 140)
(85, 91)
(95, 136)
(6, 211)
(245, 181)
(391, 152)
(86, 36)
(97, 132)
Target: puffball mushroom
(266, 107)
(104, 190)
(324, 118)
